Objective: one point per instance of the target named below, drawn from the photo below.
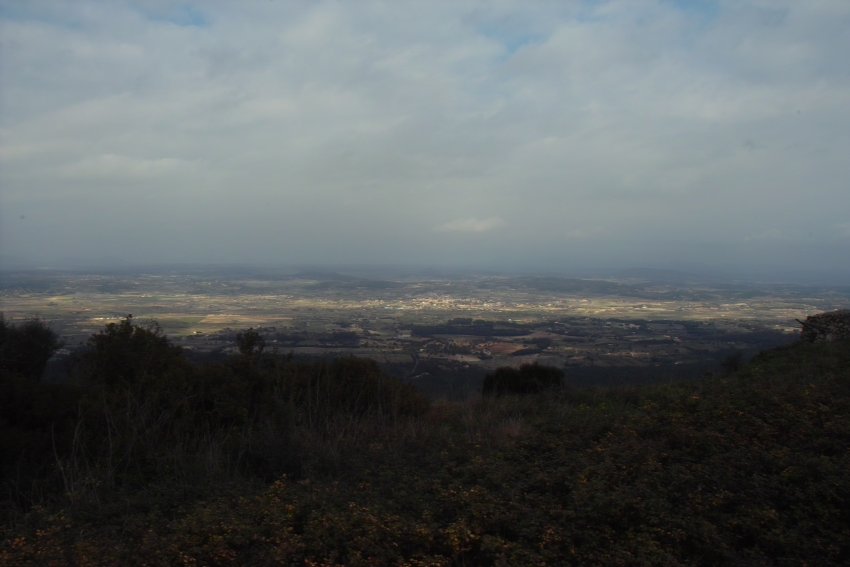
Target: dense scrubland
(145, 458)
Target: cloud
(585, 233)
(471, 225)
(332, 124)
(106, 166)
(769, 234)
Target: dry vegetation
(261, 460)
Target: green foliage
(125, 353)
(33, 416)
(140, 413)
(250, 343)
(37, 423)
(25, 348)
(350, 387)
(528, 379)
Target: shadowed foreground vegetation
(146, 459)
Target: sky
(537, 135)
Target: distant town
(442, 332)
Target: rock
(826, 327)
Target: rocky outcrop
(826, 327)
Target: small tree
(126, 353)
(528, 379)
(26, 348)
(250, 343)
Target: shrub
(26, 348)
(350, 387)
(250, 343)
(125, 353)
(528, 379)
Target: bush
(125, 353)
(349, 388)
(140, 413)
(528, 379)
(26, 348)
(250, 344)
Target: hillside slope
(750, 468)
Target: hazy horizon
(679, 275)
(561, 137)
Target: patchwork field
(431, 326)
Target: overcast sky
(504, 134)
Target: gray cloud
(471, 225)
(594, 133)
